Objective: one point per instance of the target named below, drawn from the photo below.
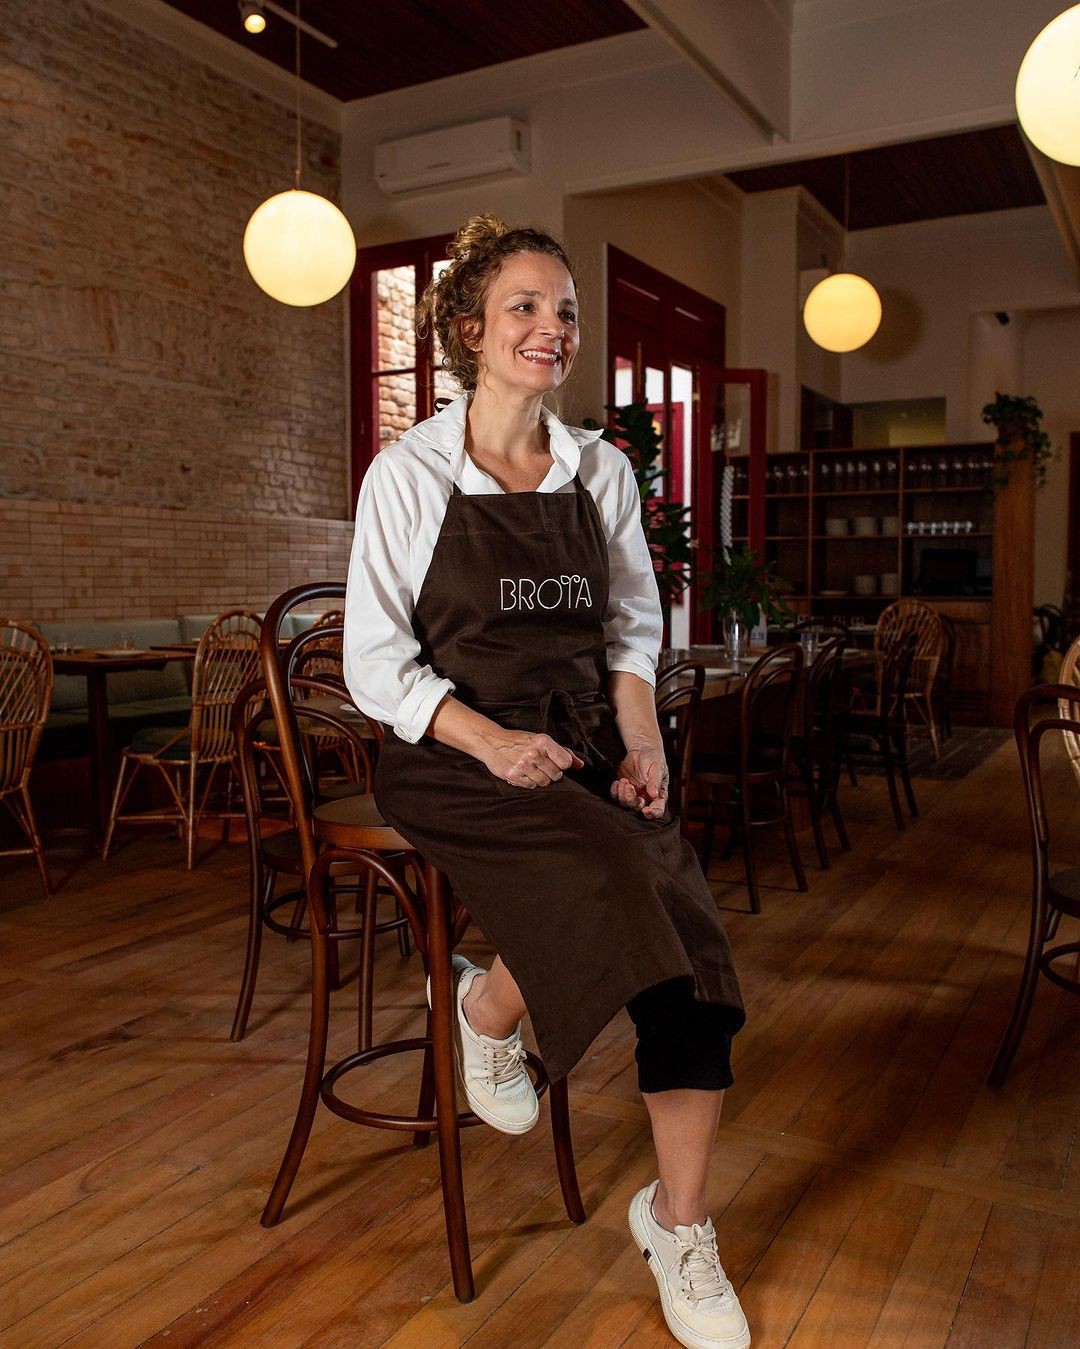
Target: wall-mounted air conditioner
(456, 154)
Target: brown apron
(587, 903)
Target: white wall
(933, 278)
(690, 232)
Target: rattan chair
(26, 684)
(1052, 893)
(898, 622)
(1070, 675)
(226, 659)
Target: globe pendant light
(842, 312)
(298, 246)
(1048, 89)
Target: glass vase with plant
(742, 588)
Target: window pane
(396, 295)
(446, 386)
(397, 405)
(624, 381)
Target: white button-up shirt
(400, 513)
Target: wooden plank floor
(868, 1188)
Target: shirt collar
(446, 432)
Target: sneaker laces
(504, 1062)
(700, 1268)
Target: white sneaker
(492, 1072)
(699, 1303)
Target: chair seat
(355, 822)
(153, 739)
(1064, 891)
(338, 791)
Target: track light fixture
(254, 18)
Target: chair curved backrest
(250, 710)
(823, 679)
(894, 679)
(318, 653)
(226, 658)
(26, 683)
(1070, 676)
(912, 618)
(1030, 737)
(275, 670)
(767, 712)
(678, 696)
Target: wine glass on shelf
(825, 475)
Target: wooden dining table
(94, 665)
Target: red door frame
(656, 321)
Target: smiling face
(530, 333)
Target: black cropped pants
(682, 1042)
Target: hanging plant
(666, 523)
(1019, 436)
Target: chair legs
(365, 982)
(22, 811)
(1025, 996)
(313, 1074)
(438, 1090)
(442, 1031)
(559, 1097)
(260, 890)
(748, 853)
(792, 843)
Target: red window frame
(421, 254)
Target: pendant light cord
(296, 56)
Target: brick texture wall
(158, 413)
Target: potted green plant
(666, 523)
(742, 588)
(1019, 436)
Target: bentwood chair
(350, 833)
(755, 778)
(877, 736)
(1052, 893)
(226, 659)
(815, 746)
(1070, 675)
(678, 693)
(26, 683)
(274, 849)
(912, 619)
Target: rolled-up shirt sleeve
(633, 623)
(382, 667)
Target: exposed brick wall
(66, 560)
(140, 366)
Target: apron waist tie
(567, 704)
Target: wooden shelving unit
(943, 488)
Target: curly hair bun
(476, 236)
(452, 305)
